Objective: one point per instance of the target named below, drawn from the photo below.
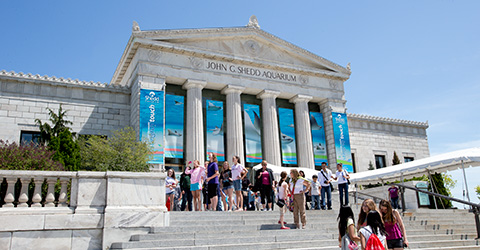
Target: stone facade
(235, 62)
(370, 136)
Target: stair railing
(475, 208)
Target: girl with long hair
(196, 180)
(170, 185)
(282, 195)
(367, 206)
(296, 186)
(396, 234)
(227, 186)
(238, 173)
(374, 226)
(346, 227)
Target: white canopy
(435, 164)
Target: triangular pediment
(243, 42)
(246, 44)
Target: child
(315, 192)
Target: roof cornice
(388, 120)
(53, 80)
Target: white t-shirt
(169, 181)
(322, 179)
(281, 190)
(341, 176)
(314, 185)
(367, 231)
(237, 170)
(298, 188)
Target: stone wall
(94, 108)
(370, 136)
(104, 207)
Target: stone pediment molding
(198, 43)
(53, 80)
(388, 120)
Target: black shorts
(396, 243)
(212, 190)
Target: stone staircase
(426, 229)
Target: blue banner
(318, 138)
(253, 133)
(174, 124)
(287, 136)
(152, 122)
(215, 129)
(342, 140)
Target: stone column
(195, 147)
(326, 108)
(305, 158)
(270, 133)
(234, 122)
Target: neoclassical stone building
(232, 91)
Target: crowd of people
(230, 190)
(382, 227)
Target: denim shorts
(227, 187)
(237, 184)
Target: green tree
(477, 189)
(66, 150)
(120, 152)
(396, 161)
(58, 124)
(440, 188)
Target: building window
(407, 159)
(380, 161)
(29, 137)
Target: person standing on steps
(282, 195)
(170, 185)
(206, 198)
(341, 176)
(393, 195)
(306, 192)
(212, 180)
(227, 186)
(396, 233)
(264, 183)
(238, 174)
(196, 182)
(367, 206)
(326, 177)
(374, 226)
(315, 191)
(297, 184)
(346, 228)
(185, 186)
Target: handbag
(348, 244)
(331, 185)
(280, 202)
(348, 180)
(290, 199)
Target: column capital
(191, 83)
(300, 98)
(266, 93)
(232, 89)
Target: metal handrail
(354, 194)
(475, 207)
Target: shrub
(120, 152)
(66, 150)
(27, 157)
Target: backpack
(374, 243)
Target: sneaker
(269, 209)
(329, 208)
(284, 228)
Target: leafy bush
(27, 157)
(120, 152)
(66, 150)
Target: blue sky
(413, 60)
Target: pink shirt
(265, 178)
(196, 174)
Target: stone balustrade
(78, 210)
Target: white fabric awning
(417, 168)
(277, 170)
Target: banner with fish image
(253, 134)
(215, 129)
(342, 140)
(152, 122)
(318, 138)
(174, 125)
(287, 136)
